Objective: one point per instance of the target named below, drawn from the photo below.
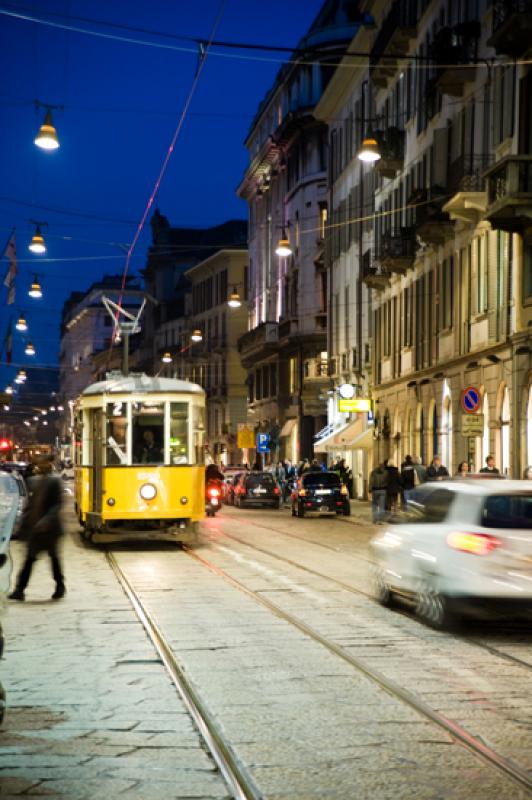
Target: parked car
(257, 489)
(322, 492)
(9, 505)
(461, 547)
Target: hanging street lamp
(37, 244)
(30, 350)
(47, 138)
(196, 335)
(283, 248)
(166, 358)
(234, 299)
(369, 152)
(21, 325)
(35, 288)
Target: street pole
(125, 352)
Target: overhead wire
(418, 62)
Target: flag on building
(11, 274)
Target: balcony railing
(454, 53)
(431, 223)
(510, 194)
(392, 149)
(397, 251)
(466, 173)
(511, 27)
(315, 368)
(373, 275)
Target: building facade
(439, 228)
(285, 185)
(214, 361)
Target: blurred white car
(461, 547)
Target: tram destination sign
(472, 425)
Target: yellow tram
(139, 458)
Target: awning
(355, 436)
(288, 427)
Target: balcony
(258, 343)
(454, 52)
(466, 179)
(393, 40)
(511, 27)
(397, 252)
(316, 369)
(392, 149)
(510, 194)
(288, 328)
(374, 276)
(431, 223)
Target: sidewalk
(91, 712)
(360, 513)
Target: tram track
(461, 735)
(358, 591)
(238, 781)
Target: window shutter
(491, 255)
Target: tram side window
(148, 433)
(198, 421)
(116, 433)
(178, 433)
(78, 439)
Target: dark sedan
(257, 489)
(323, 492)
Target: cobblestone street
(271, 621)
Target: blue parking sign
(263, 442)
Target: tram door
(96, 439)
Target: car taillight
(276, 490)
(214, 492)
(302, 492)
(479, 544)
(343, 490)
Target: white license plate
(324, 509)
(260, 490)
(323, 491)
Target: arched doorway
(505, 432)
(447, 428)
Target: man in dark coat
(41, 526)
(436, 471)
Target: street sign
(263, 442)
(347, 391)
(472, 425)
(245, 436)
(470, 400)
(354, 404)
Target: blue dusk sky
(121, 103)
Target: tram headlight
(111, 501)
(184, 500)
(148, 491)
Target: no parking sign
(470, 400)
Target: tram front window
(178, 433)
(148, 433)
(116, 434)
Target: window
(508, 511)
(428, 505)
(116, 433)
(293, 375)
(178, 433)
(527, 270)
(148, 432)
(198, 432)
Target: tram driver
(151, 453)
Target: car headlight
(148, 491)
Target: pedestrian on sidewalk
(436, 471)
(41, 527)
(378, 481)
(490, 467)
(409, 479)
(393, 487)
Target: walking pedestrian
(409, 478)
(393, 487)
(463, 469)
(41, 526)
(378, 481)
(436, 470)
(421, 470)
(490, 468)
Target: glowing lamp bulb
(369, 152)
(47, 139)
